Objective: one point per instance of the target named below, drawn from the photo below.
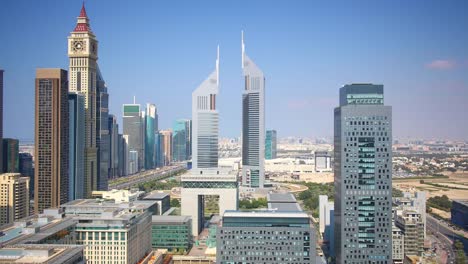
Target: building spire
(217, 66)
(82, 24)
(83, 11)
(243, 48)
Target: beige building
(14, 197)
(83, 55)
(166, 146)
(117, 233)
(398, 245)
(411, 225)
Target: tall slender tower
(82, 51)
(363, 176)
(102, 132)
(253, 123)
(51, 139)
(1, 116)
(150, 130)
(206, 178)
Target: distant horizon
(160, 53)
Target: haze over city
(160, 51)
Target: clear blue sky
(160, 51)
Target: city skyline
(429, 62)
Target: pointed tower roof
(83, 21)
(83, 11)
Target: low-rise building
(119, 196)
(398, 245)
(14, 197)
(412, 228)
(42, 254)
(162, 199)
(460, 213)
(266, 237)
(112, 232)
(171, 232)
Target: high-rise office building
(14, 197)
(205, 177)
(122, 152)
(26, 169)
(51, 139)
(166, 146)
(114, 146)
(132, 129)
(150, 129)
(189, 140)
(1, 116)
(270, 144)
(10, 155)
(398, 245)
(363, 175)
(83, 55)
(76, 175)
(253, 123)
(102, 132)
(180, 139)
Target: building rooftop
(281, 198)
(463, 202)
(31, 253)
(170, 219)
(265, 214)
(157, 195)
(294, 207)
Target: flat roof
(156, 195)
(464, 202)
(294, 207)
(266, 214)
(281, 198)
(170, 219)
(58, 253)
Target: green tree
(175, 203)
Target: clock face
(78, 45)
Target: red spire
(83, 11)
(82, 25)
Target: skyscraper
(26, 169)
(114, 146)
(1, 116)
(76, 176)
(122, 152)
(14, 197)
(363, 175)
(51, 139)
(10, 155)
(102, 132)
(253, 123)
(206, 178)
(132, 128)
(83, 55)
(166, 146)
(270, 144)
(180, 139)
(150, 129)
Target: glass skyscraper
(180, 139)
(253, 123)
(76, 188)
(363, 176)
(132, 126)
(270, 144)
(150, 129)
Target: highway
(445, 235)
(145, 176)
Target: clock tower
(82, 52)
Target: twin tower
(206, 177)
